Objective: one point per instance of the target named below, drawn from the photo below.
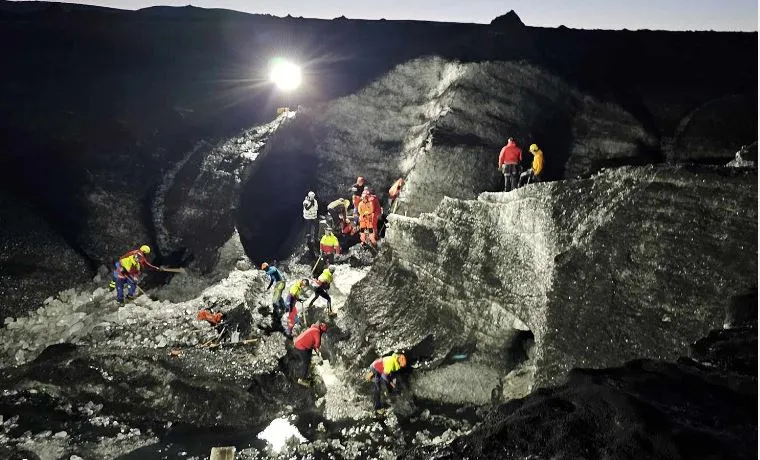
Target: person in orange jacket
(367, 220)
(393, 194)
(509, 164)
(377, 211)
(308, 341)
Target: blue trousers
(120, 280)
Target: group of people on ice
(361, 215)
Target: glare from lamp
(285, 74)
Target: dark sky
(581, 14)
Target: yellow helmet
(145, 249)
(533, 148)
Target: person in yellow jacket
(534, 173)
(382, 372)
(323, 285)
(329, 246)
(127, 270)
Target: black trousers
(377, 388)
(312, 229)
(305, 360)
(511, 177)
(320, 291)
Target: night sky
(719, 15)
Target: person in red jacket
(509, 164)
(377, 210)
(307, 342)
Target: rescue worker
(338, 210)
(306, 342)
(278, 279)
(537, 167)
(393, 194)
(329, 246)
(323, 285)
(509, 164)
(296, 293)
(367, 220)
(377, 211)
(310, 210)
(357, 189)
(127, 269)
(382, 373)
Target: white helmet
(331, 268)
(311, 195)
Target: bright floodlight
(285, 74)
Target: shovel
(172, 270)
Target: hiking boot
(303, 382)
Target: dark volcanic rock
(35, 261)
(634, 262)
(145, 389)
(646, 409)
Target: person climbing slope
(382, 372)
(296, 293)
(308, 341)
(393, 193)
(278, 279)
(509, 164)
(323, 285)
(127, 269)
(329, 246)
(537, 167)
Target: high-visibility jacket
(338, 203)
(310, 208)
(130, 265)
(140, 257)
(538, 162)
(387, 365)
(366, 214)
(296, 289)
(325, 279)
(377, 209)
(510, 154)
(395, 189)
(329, 244)
(310, 339)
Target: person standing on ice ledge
(310, 209)
(509, 164)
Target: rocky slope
(698, 408)
(585, 273)
(102, 146)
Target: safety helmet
(331, 268)
(311, 195)
(346, 202)
(328, 231)
(264, 266)
(322, 327)
(533, 148)
(360, 180)
(305, 282)
(511, 139)
(401, 360)
(145, 249)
